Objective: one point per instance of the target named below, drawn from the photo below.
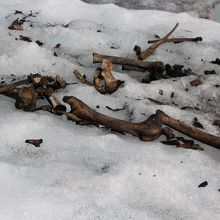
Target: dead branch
(190, 131)
(177, 40)
(133, 68)
(147, 130)
(143, 55)
(150, 66)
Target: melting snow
(90, 173)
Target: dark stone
(217, 61)
(204, 184)
(57, 46)
(39, 43)
(209, 72)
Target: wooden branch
(150, 66)
(147, 130)
(133, 68)
(190, 131)
(143, 55)
(177, 40)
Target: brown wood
(177, 40)
(194, 133)
(133, 68)
(147, 130)
(149, 51)
(35, 142)
(157, 65)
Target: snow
(90, 173)
(201, 8)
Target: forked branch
(143, 55)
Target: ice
(195, 7)
(84, 172)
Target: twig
(143, 55)
(177, 40)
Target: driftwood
(150, 66)
(102, 74)
(190, 131)
(36, 87)
(177, 40)
(147, 130)
(133, 68)
(146, 53)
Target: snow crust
(201, 8)
(90, 173)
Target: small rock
(217, 122)
(209, 72)
(57, 46)
(204, 184)
(196, 82)
(24, 38)
(161, 92)
(39, 43)
(217, 61)
(197, 124)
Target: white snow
(201, 8)
(90, 173)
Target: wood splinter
(103, 73)
(147, 130)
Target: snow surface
(90, 173)
(202, 8)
